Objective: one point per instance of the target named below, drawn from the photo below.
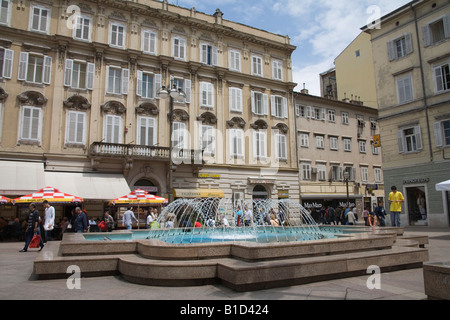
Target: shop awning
(19, 177)
(443, 186)
(198, 193)
(89, 186)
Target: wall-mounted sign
(209, 175)
(419, 180)
(377, 141)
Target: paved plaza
(18, 283)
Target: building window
(117, 35)
(83, 29)
(277, 70)
(347, 144)
(334, 143)
(208, 54)
(357, 53)
(112, 129)
(281, 147)
(5, 11)
(206, 95)
(304, 140)
(35, 68)
(75, 128)
(345, 119)
(364, 174)
(375, 150)
(31, 124)
(400, 47)
(442, 133)
(179, 135)
(351, 171)
(337, 173)
(279, 106)
(179, 48)
(331, 115)
(235, 99)
(377, 174)
(320, 142)
(404, 89)
(147, 133)
(321, 172)
(306, 171)
(260, 103)
(40, 19)
(442, 78)
(362, 146)
(436, 31)
(409, 140)
(207, 141)
(257, 66)
(118, 80)
(6, 63)
(149, 41)
(147, 84)
(259, 145)
(237, 142)
(180, 83)
(79, 75)
(234, 57)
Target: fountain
(218, 220)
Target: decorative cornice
(113, 107)
(77, 102)
(33, 98)
(147, 108)
(236, 122)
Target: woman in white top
(351, 217)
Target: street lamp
(346, 177)
(179, 96)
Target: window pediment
(113, 107)
(32, 98)
(77, 102)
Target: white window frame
(179, 48)
(441, 80)
(331, 115)
(208, 140)
(111, 121)
(278, 106)
(257, 65)
(304, 140)
(74, 131)
(377, 172)
(439, 134)
(34, 124)
(208, 54)
(24, 63)
(362, 146)
(427, 32)
(337, 173)
(123, 81)
(320, 141)
(414, 140)
(207, 95)
(234, 58)
(141, 84)
(334, 143)
(345, 118)
(405, 87)
(179, 136)
(261, 109)
(364, 174)
(347, 144)
(149, 124)
(114, 41)
(183, 84)
(321, 172)
(8, 10)
(69, 74)
(236, 102)
(260, 145)
(7, 63)
(80, 24)
(149, 41)
(306, 171)
(32, 16)
(237, 142)
(400, 47)
(277, 69)
(281, 147)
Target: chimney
(304, 90)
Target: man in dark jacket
(32, 228)
(80, 221)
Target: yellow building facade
(80, 102)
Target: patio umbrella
(4, 200)
(52, 195)
(140, 198)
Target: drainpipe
(425, 100)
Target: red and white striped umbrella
(50, 194)
(4, 200)
(139, 197)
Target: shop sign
(371, 186)
(376, 141)
(209, 175)
(283, 194)
(260, 181)
(312, 205)
(418, 180)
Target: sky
(320, 29)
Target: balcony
(140, 152)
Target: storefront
(416, 200)
(444, 187)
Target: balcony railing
(115, 150)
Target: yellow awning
(198, 193)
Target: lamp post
(346, 177)
(172, 94)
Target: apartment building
(411, 59)
(335, 139)
(81, 106)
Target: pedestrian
(49, 220)
(109, 221)
(351, 217)
(149, 219)
(380, 213)
(32, 227)
(331, 217)
(238, 216)
(366, 216)
(128, 217)
(337, 214)
(79, 221)
(395, 200)
(281, 216)
(371, 219)
(248, 216)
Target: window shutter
(266, 104)
(139, 83)
(426, 36)
(323, 114)
(285, 108)
(214, 56)
(68, 73)
(47, 69)
(392, 55)
(400, 141)
(157, 85)
(90, 72)
(108, 87)
(418, 134)
(438, 79)
(409, 44)
(204, 53)
(125, 80)
(446, 21)
(187, 90)
(253, 102)
(438, 134)
(273, 106)
(23, 66)
(8, 63)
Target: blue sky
(321, 29)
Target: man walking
(49, 220)
(395, 201)
(32, 227)
(127, 218)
